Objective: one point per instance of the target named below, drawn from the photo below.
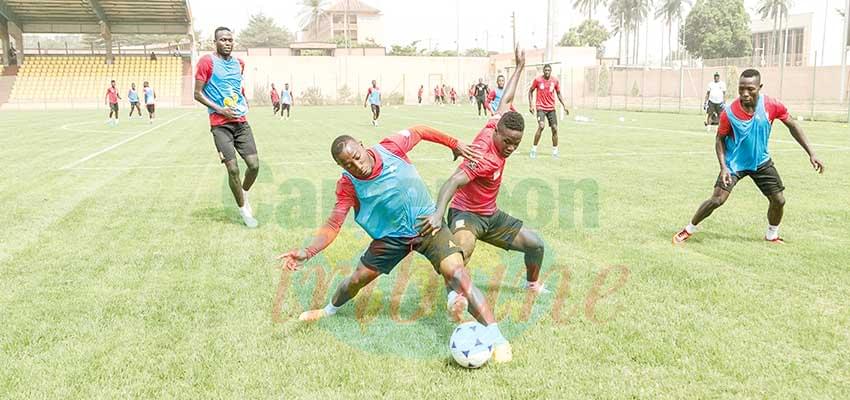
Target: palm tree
(619, 14)
(311, 11)
(776, 9)
(639, 12)
(670, 11)
(588, 6)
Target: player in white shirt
(715, 97)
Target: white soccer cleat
(533, 154)
(249, 219)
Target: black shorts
(134, 104)
(233, 137)
(765, 176)
(151, 108)
(551, 116)
(113, 106)
(479, 100)
(286, 106)
(376, 108)
(384, 254)
(499, 229)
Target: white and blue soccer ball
(469, 345)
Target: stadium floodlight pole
(844, 52)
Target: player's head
(749, 87)
(508, 133)
(112, 83)
(133, 86)
(374, 83)
(352, 156)
(500, 81)
(145, 84)
(547, 71)
(717, 77)
(480, 80)
(286, 86)
(223, 40)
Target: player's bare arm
(800, 137)
(510, 88)
(227, 112)
(433, 222)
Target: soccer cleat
(777, 240)
(502, 353)
(457, 308)
(681, 237)
(538, 288)
(249, 219)
(533, 154)
(312, 315)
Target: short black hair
(547, 66)
(751, 73)
(112, 81)
(220, 29)
(339, 144)
(511, 120)
(500, 76)
(717, 74)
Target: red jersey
(546, 89)
(421, 90)
(203, 74)
(112, 95)
(485, 175)
(275, 96)
(346, 197)
(453, 94)
(775, 110)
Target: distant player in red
(473, 214)
(437, 94)
(112, 98)
(421, 92)
(275, 100)
(373, 97)
(547, 87)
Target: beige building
(796, 37)
(363, 22)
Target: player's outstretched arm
(513, 82)
(431, 224)
(800, 137)
(294, 259)
(406, 141)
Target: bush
(312, 96)
(261, 97)
(343, 95)
(603, 88)
(394, 98)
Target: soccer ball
(469, 347)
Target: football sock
(555, 151)
(534, 148)
(495, 334)
(331, 309)
(691, 228)
(533, 285)
(451, 297)
(772, 232)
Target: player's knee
(716, 201)
(232, 168)
(777, 200)
(534, 244)
(253, 165)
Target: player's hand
(531, 110)
(228, 113)
(469, 152)
(566, 111)
(816, 163)
(293, 259)
(726, 176)
(519, 56)
(429, 225)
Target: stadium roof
(86, 16)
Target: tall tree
(776, 9)
(671, 11)
(590, 33)
(718, 29)
(588, 6)
(619, 15)
(262, 31)
(312, 11)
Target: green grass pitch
(125, 271)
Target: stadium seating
(84, 79)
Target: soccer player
(373, 97)
(547, 86)
(473, 214)
(715, 96)
(494, 98)
(453, 95)
(275, 96)
(150, 101)
(437, 94)
(133, 98)
(741, 147)
(390, 201)
(421, 92)
(286, 100)
(112, 98)
(480, 96)
(218, 85)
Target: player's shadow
(708, 237)
(217, 214)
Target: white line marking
(113, 146)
